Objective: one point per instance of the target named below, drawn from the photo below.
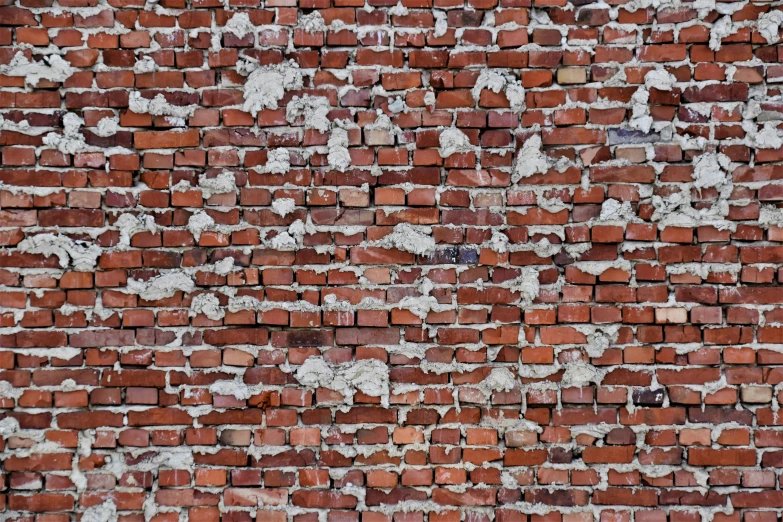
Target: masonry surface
(391, 262)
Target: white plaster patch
(158, 106)
(398, 10)
(640, 111)
(278, 161)
(515, 94)
(105, 512)
(239, 25)
(441, 23)
(499, 242)
(660, 79)
(207, 304)
(52, 68)
(709, 170)
(579, 373)
(407, 238)
(199, 222)
(239, 390)
(8, 427)
(314, 109)
(223, 183)
(453, 140)
(720, 30)
(266, 85)
(526, 284)
(283, 206)
(769, 137)
(613, 210)
(162, 286)
(129, 225)
(530, 160)
(71, 141)
(397, 105)
(145, 65)
(338, 156)
(312, 23)
(107, 127)
(370, 376)
(224, 266)
(769, 26)
(500, 380)
(488, 79)
(79, 254)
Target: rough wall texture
(348, 262)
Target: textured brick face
(302, 261)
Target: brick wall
(348, 262)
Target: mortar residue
(370, 376)
(409, 239)
(266, 85)
(82, 256)
(530, 160)
(52, 68)
(71, 141)
(162, 286)
(278, 161)
(338, 157)
(453, 140)
(314, 109)
(207, 304)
